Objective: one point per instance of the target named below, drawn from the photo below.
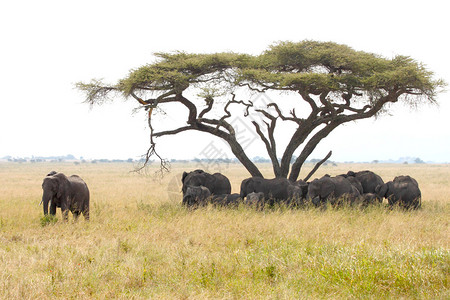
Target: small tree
(419, 161)
(335, 83)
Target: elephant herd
(363, 188)
(201, 188)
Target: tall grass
(140, 242)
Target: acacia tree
(337, 84)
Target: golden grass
(140, 242)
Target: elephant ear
(60, 189)
(244, 188)
(62, 181)
(326, 188)
(183, 177)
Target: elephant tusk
(49, 202)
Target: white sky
(47, 46)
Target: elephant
(274, 190)
(216, 183)
(303, 185)
(368, 198)
(356, 183)
(403, 190)
(296, 196)
(196, 196)
(368, 179)
(255, 200)
(68, 193)
(226, 199)
(330, 188)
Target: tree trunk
(237, 150)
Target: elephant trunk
(46, 199)
(243, 192)
(187, 200)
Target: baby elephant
(255, 200)
(403, 190)
(226, 199)
(196, 196)
(68, 193)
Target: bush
(48, 219)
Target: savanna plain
(141, 243)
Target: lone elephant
(216, 183)
(68, 193)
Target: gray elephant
(356, 183)
(303, 185)
(368, 199)
(68, 193)
(275, 190)
(255, 200)
(216, 183)
(296, 195)
(196, 196)
(403, 190)
(226, 199)
(368, 179)
(331, 189)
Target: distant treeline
(256, 159)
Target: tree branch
(284, 118)
(331, 125)
(164, 163)
(218, 123)
(209, 103)
(171, 132)
(310, 101)
(270, 150)
(318, 164)
(270, 129)
(234, 101)
(96, 91)
(309, 148)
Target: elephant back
(369, 180)
(221, 184)
(406, 179)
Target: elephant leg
(65, 214)
(76, 214)
(53, 208)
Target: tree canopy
(337, 83)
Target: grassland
(140, 242)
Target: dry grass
(140, 242)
